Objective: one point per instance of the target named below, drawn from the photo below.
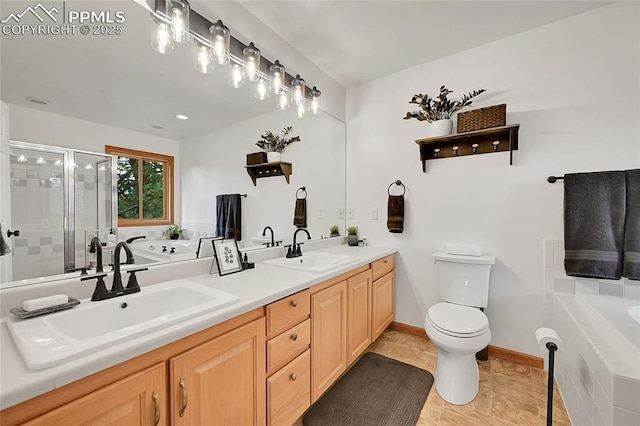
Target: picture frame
(227, 256)
(205, 249)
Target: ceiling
(122, 82)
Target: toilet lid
(458, 320)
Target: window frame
(168, 176)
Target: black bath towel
(229, 216)
(395, 213)
(631, 268)
(594, 216)
(300, 213)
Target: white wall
(214, 164)
(573, 87)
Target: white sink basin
(314, 261)
(52, 339)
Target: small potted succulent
(274, 145)
(439, 110)
(335, 231)
(352, 235)
(174, 232)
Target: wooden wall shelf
(278, 168)
(470, 143)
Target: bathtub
(598, 371)
(161, 250)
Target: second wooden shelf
(278, 168)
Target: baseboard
(494, 351)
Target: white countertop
(254, 287)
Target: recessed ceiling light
(38, 101)
(155, 126)
(181, 117)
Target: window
(145, 187)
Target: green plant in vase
(334, 230)
(174, 232)
(274, 144)
(352, 235)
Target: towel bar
(553, 179)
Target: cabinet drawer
(289, 391)
(283, 348)
(287, 312)
(382, 266)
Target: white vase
(273, 157)
(441, 127)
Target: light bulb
(203, 59)
(220, 40)
(236, 80)
(251, 56)
(22, 158)
(277, 73)
(298, 88)
(314, 100)
(178, 13)
(161, 37)
(300, 110)
(283, 101)
(178, 24)
(262, 92)
(41, 160)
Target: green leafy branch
(276, 143)
(440, 107)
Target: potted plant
(174, 232)
(274, 145)
(352, 235)
(335, 231)
(439, 110)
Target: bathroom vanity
(263, 360)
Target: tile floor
(510, 394)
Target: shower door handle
(10, 233)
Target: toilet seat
(457, 320)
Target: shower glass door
(38, 199)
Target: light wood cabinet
(222, 381)
(358, 315)
(328, 337)
(289, 391)
(140, 399)
(382, 303)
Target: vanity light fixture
(283, 101)
(203, 63)
(237, 79)
(251, 57)
(298, 89)
(181, 117)
(178, 13)
(21, 158)
(262, 89)
(221, 40)
(58, 163)
(277, 74)
(314, 100)
(300, 110)
(88, 167)
(41, 160)
(161, 37)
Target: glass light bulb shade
(237, 79)
(298, 90)
(314, 101)
(251, 56)
(277, 74)
(300, 110)
(161, 37)
(283, 101)
(178, 13)
(262, 89)
(220, 40)
(203, 61)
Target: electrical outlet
(321, 214)
(340, 213)
(374, 213)
(350, 214)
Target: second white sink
(314, 261)
(51, 339)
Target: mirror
(116, 90)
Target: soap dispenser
(111, 238)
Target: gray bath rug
(376, 391)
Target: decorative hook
(436, 152)
(474, 147)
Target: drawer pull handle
(293, 377)
(385, 261)
(294, 303)
(156, 413)
(294, 337)
(185, 397)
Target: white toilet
(456, 326)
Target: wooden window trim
(168, 188)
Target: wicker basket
(482, 118)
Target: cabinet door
(221, 382)
(140, 399)
(382, 303)
(358, 315)
(328, 337)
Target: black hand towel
(395, 213)
(631, 268)
(229, 216)
(300, 213)
(594, 215)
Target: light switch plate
(374, 213)
(350, 214)
(340, 213)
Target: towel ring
(303, 189)
(399, 183)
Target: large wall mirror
(83, 92)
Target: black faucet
(96, 247)
(264, 234)
(100, 292)
(132, 239)
(294, 250)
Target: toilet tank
(464, 280)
